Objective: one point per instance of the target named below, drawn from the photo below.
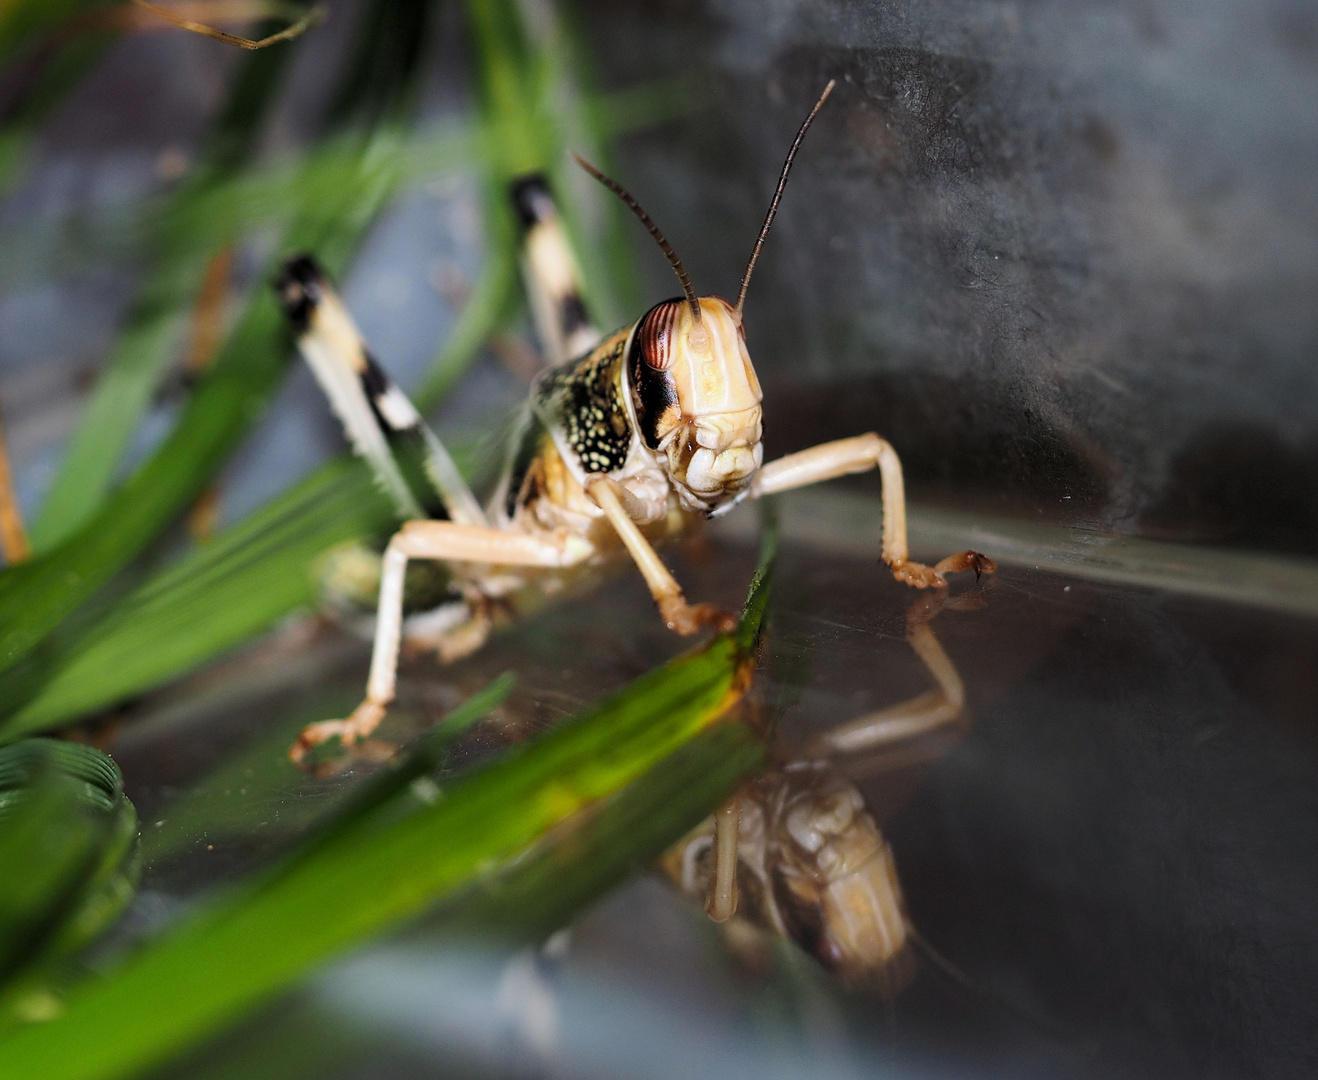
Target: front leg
(450, 542)
(860, 454)
(679, 616)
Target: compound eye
(657, 335)
(653, 353)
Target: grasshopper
(627, 440)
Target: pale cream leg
(907, 719)
(860, 454)
(441, 540)
(721, 904)
(684, 618)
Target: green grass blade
(128, 381)
(137, 363)
(521, 134)
(36, 596)
(597, 851)
(521, 904)
(240, 951)
(245, 580)
(381, 795)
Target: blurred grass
(229, 209)
(68, 860)
(245, 580)
(137, 363)
(263, 568)
(518, 845)
(381, 868)
(36, 596)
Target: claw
(920, 576)
(687, 619)
(364, 719)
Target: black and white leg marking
(384, 427)
(552, 280)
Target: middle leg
(442, 540)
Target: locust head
(693, 390)
(696, 399)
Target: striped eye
(654, 394)
(655, 336)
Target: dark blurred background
(1064, 255)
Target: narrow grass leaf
(36, 596)
(137, 363)
(356, 886)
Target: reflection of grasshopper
(626, 441)
(798, 853)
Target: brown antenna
(635, 208)
(777, 197)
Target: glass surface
(1116, 846)
(1064, 258)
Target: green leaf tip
(751, 625)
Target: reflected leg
(911, 718)
(721, 903)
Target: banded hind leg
(444, 541)
(551, 274)
(410, 463)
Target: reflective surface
(1117, 846)
(1063, 256)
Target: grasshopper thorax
(696, 399)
